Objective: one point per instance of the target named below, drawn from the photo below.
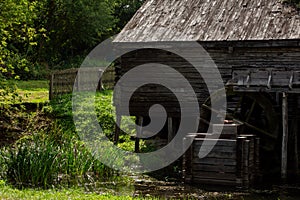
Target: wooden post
(78, 79)
(51, 87)
(117, 129)
(284, 146)
(257, 161)
(296, 149)
(138, 134)
(240, 158)
(294, 133)
(170, 129)
(187, 160)
(246, 163)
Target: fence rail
(62, 82)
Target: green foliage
(61, 108)
(51, 152)
(33, 85)
(18, 36)
(49, 157)
(8, 192)
(73, 28)
(124, 11)
(32, 91)
(37, 36)
(8, 93)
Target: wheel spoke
(250, 111)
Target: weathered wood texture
(108, 78)
(258, 59)
(63, 82)
(230, 163)
(214, 20)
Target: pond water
(149, 187)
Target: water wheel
(258, 115)
(254, 111)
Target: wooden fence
(62, 82)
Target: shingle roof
(212, 20)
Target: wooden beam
(170, 129)
(51, 87)
(294, 133)
(284, 147)
(117, 129)
(138, 134)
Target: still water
(148, 187)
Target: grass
(51, 157)
(49, 152)
(34, 91)
(7, 192)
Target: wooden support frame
(139, 131)
(117, 129)
(51, 89)
(284, 147)
(170, 129)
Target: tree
(74, 27)
(17, 35)
(124, 11)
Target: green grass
(7, 192)
(34, 85)
(34, 91)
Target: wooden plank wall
(231, 162)
(227, 57)
(150, 94)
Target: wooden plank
(218, 154)
(220, 142)
(139, 132)
(117, 128)
(284, 147)
(215, 161)
(51, 89)
(215, 176)
(215, 148)
(170, 129)
(229, 131)
(246, 164)
(187, 160)
(240, 158)
(214, 182)
(257, 161)
(212, 168)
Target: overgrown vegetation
(39, 36)
(41, 148)
(34, 91)
(7, 192)
(49, 153)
